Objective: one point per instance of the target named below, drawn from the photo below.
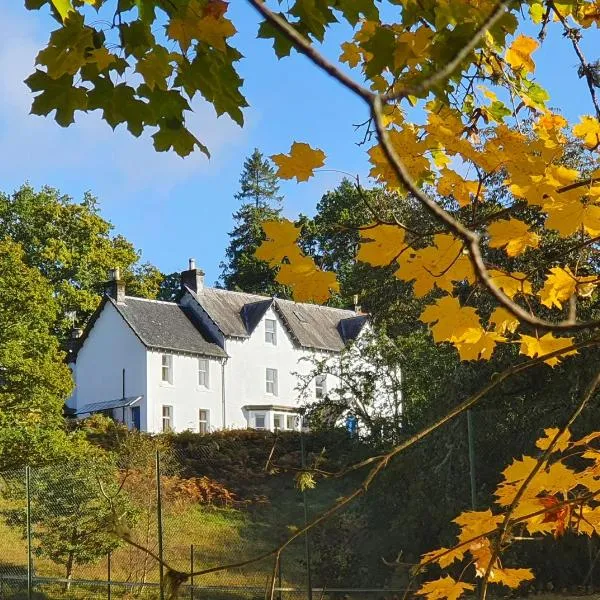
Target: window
(203, 371)
(203, 421)
(291, 421)
(277, 422)
(271, 331)
(259, 421)
(167, 418)
(167, 368)
(320, 386)
(271, 380)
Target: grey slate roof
(109, 404)
(236, 314)
(165, 325)
(315, 326)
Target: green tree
(73, 247)
(259, 190)
(34, 379)
(74, 509)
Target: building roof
(236, 314)
(165, 326)
(108, 405)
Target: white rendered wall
(110, 347)
(185, 395)
(245, 372)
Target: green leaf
(353, 9)
(155, 67)
(173, 134)
(212, 74)
(119, 105)
(64, 7)
(382, 45)
(56, 94)
(499, 110)
(281, 44)
(314, 15)
(136, 38)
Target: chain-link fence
(102, 527)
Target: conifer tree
(259, 194)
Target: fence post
(192, 571)
(28, 528)
(279, 577)
(160, 527)
(108, 574)
(306, 538)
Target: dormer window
(271, 331)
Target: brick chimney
(193, 278)
(115, 287)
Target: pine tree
(259, 194)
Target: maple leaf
(532, 346)
(550, 433)
(518, 56)
(351, 54)
(571, 217)
(511, 578)
(588, 129)
(561, 284)
(308, 282)
(557, 515)
(280, 242)
(381, 244)
(63, 7)
(444, 588)
(443, 556)
(172, 134)
(300, 163)
(511, 283)
(102, 58)
(439, 265)
(481, 349)
(452, 184)
(512, 234)
(504, 320)
(476, 523)
(155, 68)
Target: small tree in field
(71, 519)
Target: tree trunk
(70, 562)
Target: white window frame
(263, 416)
(167, 419)
(282, 421)
(166, 368)
(205, 421)
(271, 383)
(320, 386)
(271, 331)
(204, 373)
(294, 424)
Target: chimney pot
(192, 263)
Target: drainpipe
(223, 363)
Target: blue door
(135, 417)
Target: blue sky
(173, 208)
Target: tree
(241, 270)
(466, 71)
(73, 247)
(34, 380)
(71, 520)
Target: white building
(214, 359)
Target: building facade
(214, 359)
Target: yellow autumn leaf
(308, 282)
(380, 244)
(476, 523)
(518, 56)
(439, 265)
(351, 54)
(451, 322)
(280, 242)
(511, 283)
(561, 284)
(571, 217)
(533, 347)
(480, 349)
(511, 578)
(463, 190)
(588, 129)
(445, 588)
(443, 556)
(63, 7)
(300, 163)
(513, 235)
(550, 433)
(197, 22)
(503, 320)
